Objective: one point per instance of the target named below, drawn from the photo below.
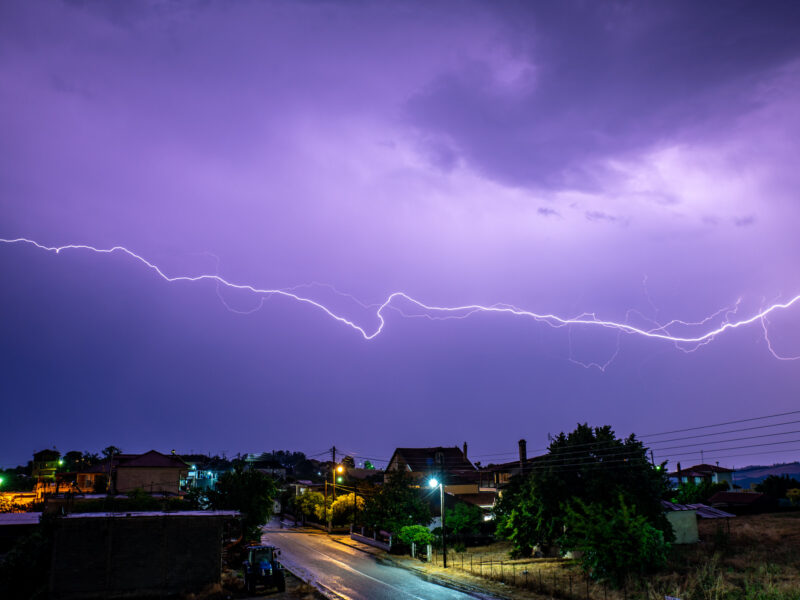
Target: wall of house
(163, 479)
(467, 488)
(151, 556)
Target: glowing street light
(434, 483)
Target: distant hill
(756, 474)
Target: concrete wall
(119, 556)
(684, 525)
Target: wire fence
(553, 581)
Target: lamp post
(433, 482)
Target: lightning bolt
(434, 312)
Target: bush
(614, 542)
(418, 534)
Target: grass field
(744, 558)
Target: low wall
(371, 542)
(102, 555)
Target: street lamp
(433, 482)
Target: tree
(349, 462)
(110, 451)
(464, 519)
(251, 492)
(73, 461)
(307, 503)
(395, 505)
(342, 508)
(793, 495)
(614, 541)
(369, 465)
(14, 480)
(690, 492)
(776, 486)
(415, 534)
(589, 465)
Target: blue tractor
(263, 568)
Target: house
(450, 464)
(495, 476)
(45, 465)
(742, 502)
(704, 472)
(266, 464)
(152, 472)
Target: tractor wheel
(280, 582)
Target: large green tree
(249, 491)
(463, 519)
(589, 465)
(396, 504)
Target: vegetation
(343, 508)
(776, 486)
(16, 480)
(306, 503)
(614, 541)
(24, 570)
(396, 505)
(464, 519)
(251, 492)
(690, 492)
(588, 471)
(417, 534)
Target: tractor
(263, 568)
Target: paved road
(348, 572)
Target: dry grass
(746, 558)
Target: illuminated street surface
(348, 572)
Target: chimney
(465, 450)
(523, 453)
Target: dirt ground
(233, 589)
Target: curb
(320, 587)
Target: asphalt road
(348, 572)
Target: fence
(546, 581)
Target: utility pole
(444, 543)
(333, 470)
(355, 504)
(652, 460)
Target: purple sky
(633, 160)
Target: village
(154, 498)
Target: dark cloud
(548, 212)
(606, 79)
(744, 221)
(599, 216)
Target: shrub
(418, 534)
(614, 542)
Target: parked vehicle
(263, 568)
